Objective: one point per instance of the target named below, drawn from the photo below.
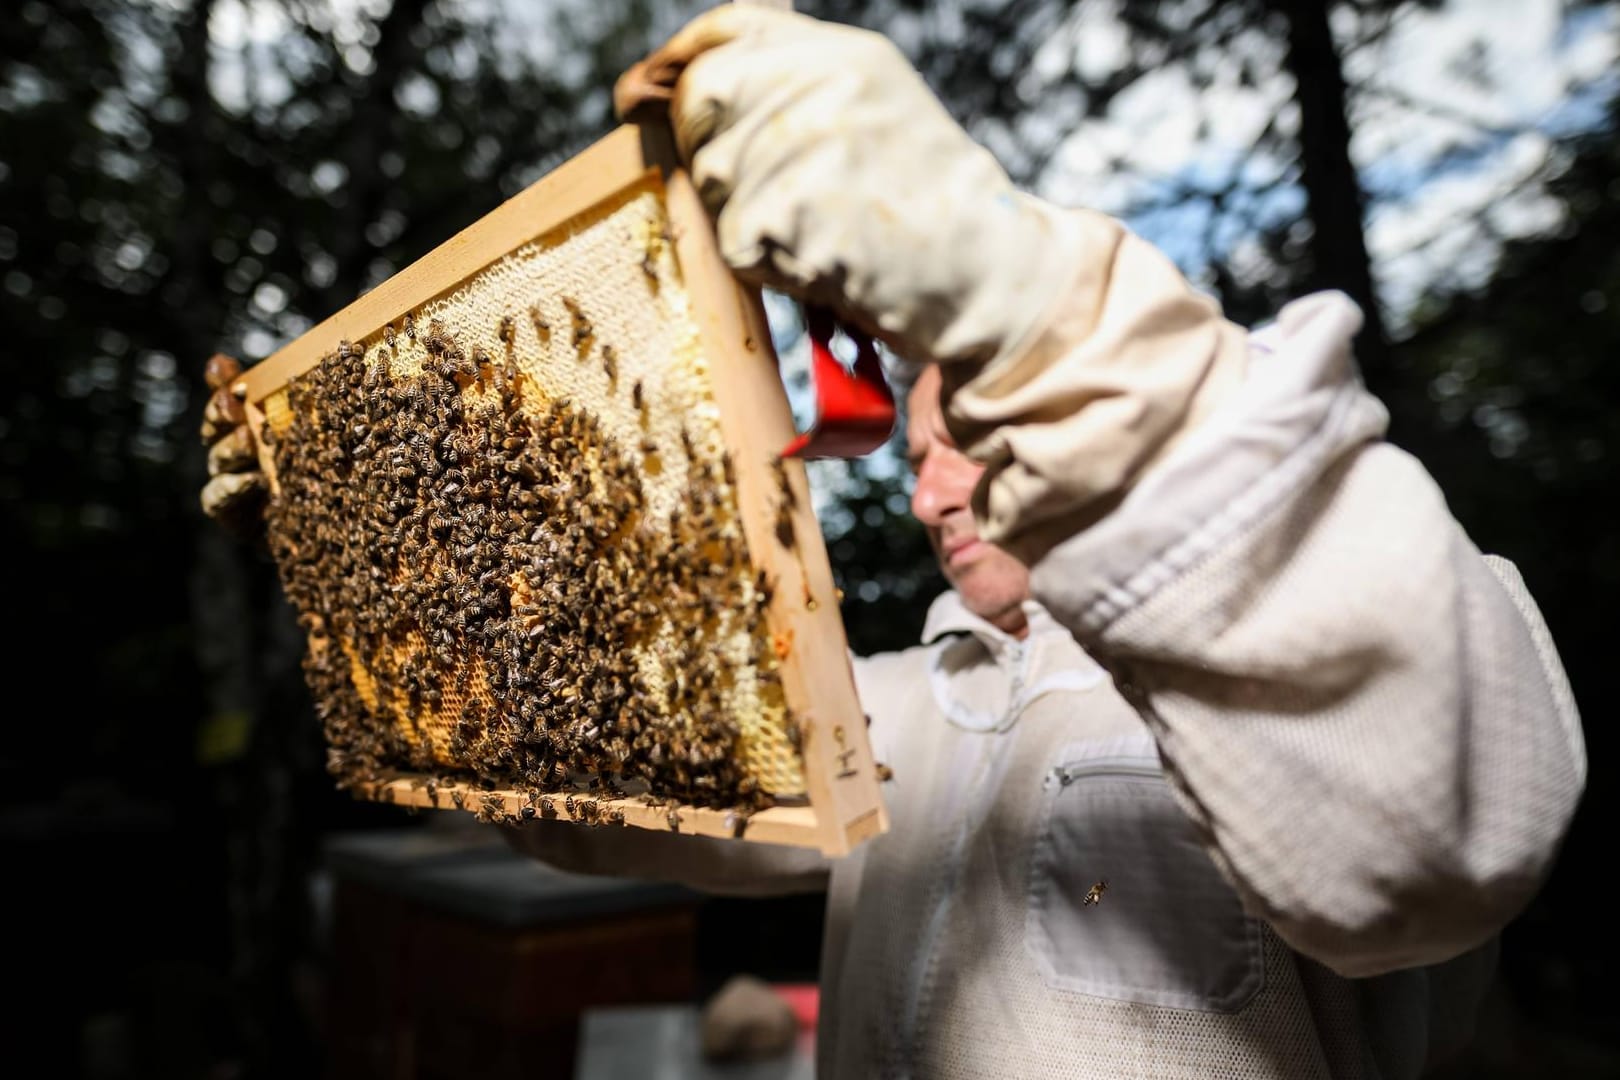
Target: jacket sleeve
(724, 867)
(1365, 716)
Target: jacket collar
(983, 678)
(949, 615)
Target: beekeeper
(1227, 754)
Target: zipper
(1015, 692)
(1061, 776)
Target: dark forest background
(183, 176)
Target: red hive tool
(854, 409)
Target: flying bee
(1094, 894)
(885, 774)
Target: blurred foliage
(146, 221)
(180, 176)
(176, 178)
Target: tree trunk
(1333, 193)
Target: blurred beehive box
(527, 501)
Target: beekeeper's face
(991, 582)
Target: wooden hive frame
(844, 803)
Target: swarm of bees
(481, 576)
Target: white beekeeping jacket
(1279, 757)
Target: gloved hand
(234, 494)
(746, 1021)
(1073, 353)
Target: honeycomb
(508, 523)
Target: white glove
(836, 175)
(1074, 353)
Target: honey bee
(657, 240)
(1094, 894)
(582, 324)
(794, 733)
(779, 467)
(545, 561)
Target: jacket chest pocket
(1124, 902)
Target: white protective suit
(1320, 749)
